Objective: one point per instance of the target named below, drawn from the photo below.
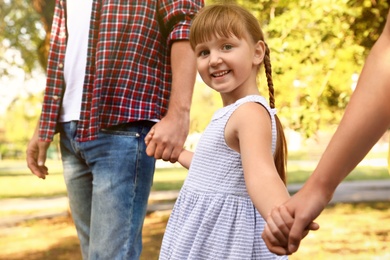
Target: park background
(317, 48)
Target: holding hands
(166, 138)
(289, 223)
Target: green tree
(24, 27)
(317, 50)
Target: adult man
(114, 70)
(366, 119)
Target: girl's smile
(229, 65)
(220, 74)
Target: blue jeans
(108, 182)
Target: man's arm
(366, 119)
(171, 132)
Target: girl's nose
(215, 59)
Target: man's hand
(167, 137)
(36, 156)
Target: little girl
(233, 180)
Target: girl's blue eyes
(203, 53)
(224, 47)
(227, 47)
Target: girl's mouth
(220, 73)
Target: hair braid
(280, 156)
(268, 73)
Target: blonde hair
(226, 20)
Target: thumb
(313, 226)
(295, 236)
(42, 153)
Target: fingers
(274, 244)
(164, 143)
(43, 146)
(278, 229)
(313, 226)
(36, 158)
(296, 235)
(163, 150)
(286, 221)
(300, 228)
(159, 149)
(175, 153)
(149, 136)
(273, 247)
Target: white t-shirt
(78, 21)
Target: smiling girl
(237, 173)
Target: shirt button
(56, 97)
(61, 65)
(62, 35)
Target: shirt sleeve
(176, 17)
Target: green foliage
(21, 36)
(317, 51)
(19, 124)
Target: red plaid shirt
(128, 73)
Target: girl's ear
(259, 53)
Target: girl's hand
(149, 136)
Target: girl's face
(229, 65)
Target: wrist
(320, 188)
(178, 112)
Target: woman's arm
(366, 119)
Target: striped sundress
(213, 217)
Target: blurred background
(317, 52)
(317, 48)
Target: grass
(169, 178)
(16, 181)
(348, 232)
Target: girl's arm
(185, 158)
(249, 132)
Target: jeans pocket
(122, 129)
(129, 129)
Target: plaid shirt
(128, 73)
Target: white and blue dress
(213, 217)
